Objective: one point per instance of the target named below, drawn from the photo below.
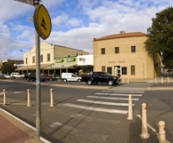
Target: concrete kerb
(27, 125)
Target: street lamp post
(26, 60)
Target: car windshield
(108, 74)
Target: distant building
(125, 55)
(49, 55)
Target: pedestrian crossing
(112, 100)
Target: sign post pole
(38, 91)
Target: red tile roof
(121, 35)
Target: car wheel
(110, 82)
(50, 79)
(89, 82)
(65, 80)
(28, 79)
(79, 80)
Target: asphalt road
(91, 114)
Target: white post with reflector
(162, 138)
(144, 133)
(28, 98)
(130, 111)
(51, 98)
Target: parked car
(100, 77)
(48, 77)
(2, 76)
(15, 75)
(32, 77)
(7, 76)
(70, 77)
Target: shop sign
(60, 60)
(71, 59)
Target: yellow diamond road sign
(42, 22)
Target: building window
(124, 70)
(117, 50)
(102, 51)
(132, 70)
(41, 58)
(109, 70)
(103, 68)
(33, 59)
(48, 57)
(133, 49)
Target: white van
(70, 77)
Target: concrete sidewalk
(14, 131)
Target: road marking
(96, 109)
(15, 92)
(103, 103)
(123, 91)
(119, 94)
(149, 126)
(113, 98)
(128, 88)
(55, 124)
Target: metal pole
(27, 62)
(38, 91)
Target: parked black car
(100, 77)
(32, 77)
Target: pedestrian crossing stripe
(118, 94)
(96, 108)
(120, 91)
(103, 103)
(113, 98)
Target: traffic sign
(31, 2)
(42, 22)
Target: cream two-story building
(124, 54)
(48, 55)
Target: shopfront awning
(33, 67)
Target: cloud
(74, 23)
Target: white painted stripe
(55, 124)
(119, 94)
(96, 109)
(128, 88)
(112, 98)
(149, 126)
(103, 103)
(18, 92)
(119, 91)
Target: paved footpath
(14, 131)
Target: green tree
(7, 68)
(160, 36)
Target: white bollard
(28, 98)
(144, 133)
(130, 111)
(51, 98)
(162, 138)
(4, 97)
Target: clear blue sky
(74, 22)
